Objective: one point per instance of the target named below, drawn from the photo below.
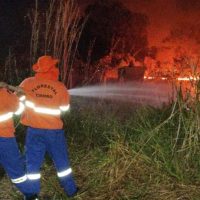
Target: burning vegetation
(121, 149)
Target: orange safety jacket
(9, 105)
(45, 101)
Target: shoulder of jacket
(61, 85)
(27, 80)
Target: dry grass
(57, 35)
(124, 157)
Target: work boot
(74, 194)
(2, 172)
(33, 197)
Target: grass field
(126, 152)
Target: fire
(191, 78)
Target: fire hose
(12, 88)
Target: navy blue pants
(12, 162)
(53, 142)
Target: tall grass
(57, 35)
(119, 151)
(133, 156)
(10, 72)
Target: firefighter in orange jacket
(46, 99)
(10, 157)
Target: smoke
(165, 15)
(174, 30)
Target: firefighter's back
(44, 102)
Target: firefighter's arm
(18, 90)
(16, 105)
(12, 88)
(65, 100)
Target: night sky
(12, 18)
(15, 28)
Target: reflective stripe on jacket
(9, 105)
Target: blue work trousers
(13, 164)
(53, 142)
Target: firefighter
(46, 100)
(10, 157)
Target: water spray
(144, 93)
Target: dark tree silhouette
(111, 26)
